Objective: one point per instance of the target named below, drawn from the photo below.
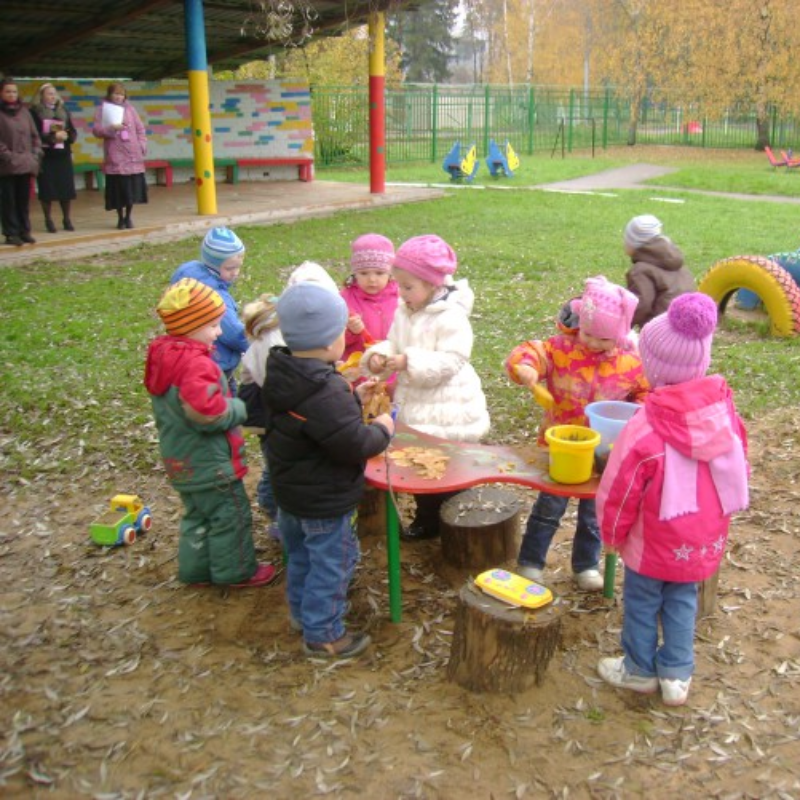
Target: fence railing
(423, 122)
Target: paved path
(635, 176)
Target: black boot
(68, 226)
(50, 225)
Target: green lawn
(74, 336)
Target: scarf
(728, 472)
(51, 112)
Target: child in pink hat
(675, 476)
(593, 360)
(429, 347)
(370, 293)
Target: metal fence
(423, 122)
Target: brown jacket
(657, 277)
(20, 146)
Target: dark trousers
(15, 202)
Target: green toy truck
(126, 518)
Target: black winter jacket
(318, 442)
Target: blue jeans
(648, 601)
(264, 493)
(543, 524)
(322, 555)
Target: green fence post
(606, 103)
(435, 123)
(531, 118)
(571, 113)
(703, 134)
(487, 119)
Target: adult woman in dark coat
(56, 180)
(20, 155)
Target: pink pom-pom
(693, 315)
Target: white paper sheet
(112, 114)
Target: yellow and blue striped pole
(199, 103)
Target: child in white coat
(429, 347)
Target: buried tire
(771, 282)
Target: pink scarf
(728, 471)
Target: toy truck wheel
(128, 535)
(145, 521)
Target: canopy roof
(145, 39)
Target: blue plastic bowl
(608, 418)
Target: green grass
(74, 336)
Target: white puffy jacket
(439, 392)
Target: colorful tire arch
(771, 282)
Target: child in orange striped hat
(201, 443)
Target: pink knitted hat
(676, 346)
(428, 257)
(371, 251)
(605, 310)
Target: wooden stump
(499, 648)
(480, 527)
(372, 513)
(707, 596)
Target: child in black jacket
(318, 445)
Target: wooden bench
(305, 166)
(163, 170)
(93, 174)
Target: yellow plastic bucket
(571, 452)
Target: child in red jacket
(676, 474)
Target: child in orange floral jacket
(593, 358)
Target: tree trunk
(480, 528)
(499, 648)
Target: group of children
(674, 478)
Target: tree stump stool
(499, 648)
(707, 596)
(372, 513)
(480, 527)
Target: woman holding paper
(55, 180)
(124, 148)
(20, 154)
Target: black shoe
(416, 532)
(50, 225)
(26, 237)
(129, 223)
(121, 225)
(14, 240)
(68, 226)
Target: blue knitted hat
(218, 246)
(310, 316)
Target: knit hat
(371, 251)
(188, 306)
(605, 310)
(311, 272)
(676, 346)
(260, 315)
(428, 257)
(641, 230)
(310, 316)
(218, 246)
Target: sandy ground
(117, 682)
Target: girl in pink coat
(675, 476)
(370, 293)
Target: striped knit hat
(371, 251)
(218, 246)
(188, 305)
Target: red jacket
(693, 425)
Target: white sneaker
(612, 670)
(531, 573)
(590, 580)
(674, 692)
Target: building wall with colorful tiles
(250, 119)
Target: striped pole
(199, 103)
(377, 109)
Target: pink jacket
(123, 151)
(376, 311)
(676, 474)
(577, 376)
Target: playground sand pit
(116, 682)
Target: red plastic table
(468, 465)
